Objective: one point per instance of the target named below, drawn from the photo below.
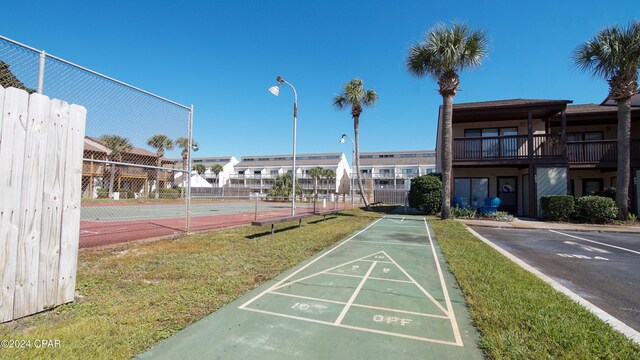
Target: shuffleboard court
(384, 292)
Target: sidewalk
(526, 223)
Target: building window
(407, 171)
(408, 155)
(591, 186)
(257, 172)
(241, 172)
(274, 172)
(470, 191)
(495, 146)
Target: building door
(508, 194)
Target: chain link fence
(133, 139)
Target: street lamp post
(275, 90)
(353, 152)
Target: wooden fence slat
(26, 300)
(52, 204)
(12, 142)
(71, 205)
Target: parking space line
(596, 242)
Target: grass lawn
(518, 315)
(135, 295)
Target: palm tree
(316, 173)
(217, 169)
(159, 142)
(199, 168)
(443, 53)
(354, 94)
(329, 175)
(183, 143)
(118, 146)
(614, 54)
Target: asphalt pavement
(603, 268)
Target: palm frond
(613, 51)
(339, 101)
(369, 98)
(447, 49)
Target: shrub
(595, 209)
(426, 194)
(126, 194)
(166, 193)
(502, 216)
(103, 193)
(610, 193)
(557, 207)
(465, 212)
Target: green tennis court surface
(177, 210)
(384, 292)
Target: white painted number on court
(391, 320)
(386, 270)
(355, 267)
(585, 257)
(301, 306)
(381, 257)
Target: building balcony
(508, 149)
(515, 150)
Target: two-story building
(134, 177)
(257, 173)
(520, 150)
(394, 169)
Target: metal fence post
(43, 56)
(188, 173)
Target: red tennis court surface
(100, 233)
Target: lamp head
(342, 140)
(195, 147)
(275, 90)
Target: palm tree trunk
(356, 126)
(447, 110)
(624, 154)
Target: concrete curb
(550, 226)
(601, 314)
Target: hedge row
(589, 209)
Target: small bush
(166, 193)
(557, 207)
(464, 212)
(103, 193)
(610, 193)
(502, 216)
(426, 194)
(595, 209)
(126, 194)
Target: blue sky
(222, 56)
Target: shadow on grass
(275, 231)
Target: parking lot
(603, 268)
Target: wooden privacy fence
(41, 147)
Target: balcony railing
(512, 147)
(545, 146)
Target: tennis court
(104, 224)
(384, 292)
